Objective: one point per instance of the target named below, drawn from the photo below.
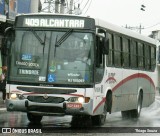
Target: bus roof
(123, 31)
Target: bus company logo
(111, 79)
(45, 96)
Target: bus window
(153, 58)
(140, 56)
(133, 54)
(117, 51)
(110, 55)
(147, 57)
(99, 60)
(125, 60)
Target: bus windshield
(37, 58)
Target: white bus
(79, 66)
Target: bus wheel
(126, 114)
(81, 121)
(136, 112)
(34, 118)
(100, 119)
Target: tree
(7, 2)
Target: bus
(80, 66)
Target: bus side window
(153, 58)
(140, 56)
(99, 59)
(125, 52)
(133, 54)
(117, 50)
(109, 61)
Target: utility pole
(49, 6)
(56, 6)
(140, 29)
(34, 6)
(71, 7)
(62, 6)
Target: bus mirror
(8, 39)
(9, 34)
(106, 46)
(9, 30)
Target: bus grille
(49, 99)
(46, 109)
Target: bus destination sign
(57, 23)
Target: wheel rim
(139, 105)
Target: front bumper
(59, 109)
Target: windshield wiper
(37, 36)
(63, 38)
(42, 42)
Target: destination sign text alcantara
(69, 23)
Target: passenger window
(117, 51)
(147, 57)
(110, 55)
(140, 56)
(133, 54)
(125, 55)
(153, 58)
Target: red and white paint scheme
(79, 66)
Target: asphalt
(2, 104)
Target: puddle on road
(150, 117)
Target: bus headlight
(81, 99)
(13, 96)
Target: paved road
(115, 125)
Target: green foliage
(7, 2)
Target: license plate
(74, 105)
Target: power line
(85, 5)
(88, 6)
(152, 26)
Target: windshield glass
(36, 58)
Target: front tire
(34, 118)
(100, 119)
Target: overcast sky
(125, 12)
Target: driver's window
(99, 60)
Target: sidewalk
(2, 104)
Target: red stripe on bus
(138, 75)
(103, 100)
